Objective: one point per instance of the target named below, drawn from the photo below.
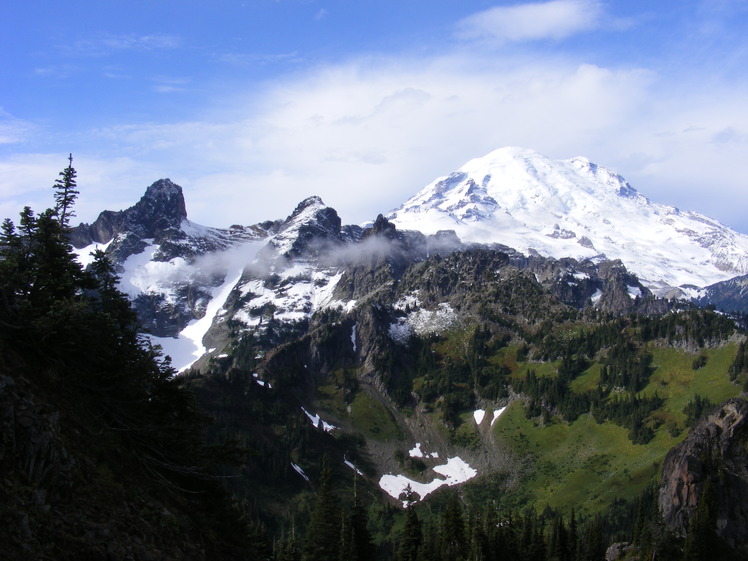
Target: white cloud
(366, 136)
(556, 19)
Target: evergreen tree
(411, 537)
(356, 539)
(65, 194)
(11, 269)
(740, 362)
(573, 535)
(592, 545)
(323, 535)
(558, 544)
(453, 537)
(286, 548)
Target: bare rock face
(716, 449)
(161, 208)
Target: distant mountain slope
(575, 208)
(730, 295)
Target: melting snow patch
(422, 322)
(455, 471)
(197, 329)
(407, 301)
(634, 292)
(299, 471)
(340, 305)
(316, 420)
(400, 332)
(478, 415)
(353, 467)
(596, 296)
(496, 414)
(415, 452)
(427, 321)
(262, 383)
(296, 297)
(84, 255)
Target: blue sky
(253, 105)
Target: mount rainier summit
(575, 208)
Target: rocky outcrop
(162, 207)
(312, 229)
(715, 450)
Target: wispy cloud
(104, 44)
(167, 84)
(140, 42)
(556, 19)
(12, 129)
(259, 59)
(58, 71)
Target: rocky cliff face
(716, 449)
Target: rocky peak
(381, 228)
(313, 202)
(310, 227)
(160, 208)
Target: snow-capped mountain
(196, 288)
(169, 266)
(575, 208)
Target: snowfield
(455, 471)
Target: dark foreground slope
(101, 450)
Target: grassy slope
(587, 464)
(584, 464)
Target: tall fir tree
(411, 537)
(323, 535)
(357, 539)
(66, 193)
(453, 535)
